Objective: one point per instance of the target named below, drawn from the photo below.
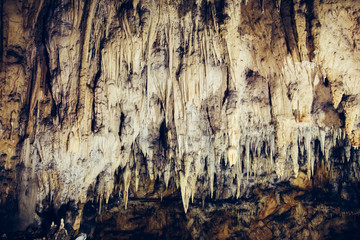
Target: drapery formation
(210, 96)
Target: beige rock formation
(213, 96)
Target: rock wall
(209, 96)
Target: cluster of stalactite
(213, 96)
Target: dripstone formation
(202, 99)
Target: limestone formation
(105, 99)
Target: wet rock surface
(281, 213)
(284, 212)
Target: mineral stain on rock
(214, 119)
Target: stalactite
(127, 178)
(196, 97)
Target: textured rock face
(263, 214)
(209, 97)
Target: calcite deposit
(104, 99)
